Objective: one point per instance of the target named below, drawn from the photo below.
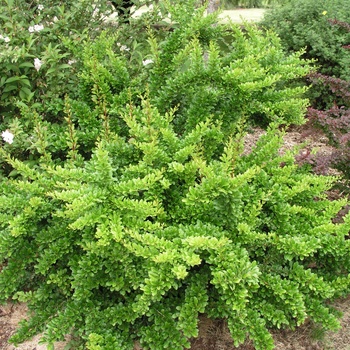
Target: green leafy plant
(157, 228)
(136, 210)
(199, 69)
(305, 24)
(189, 64)
(34, 64)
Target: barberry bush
(198, 68)
(191, 64)
(157, 228)
(139, 211)
(335, 123)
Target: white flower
(7, 136)
(96, 12)
(5, 38)
(31, 29)
(38, 27)
(37, 63)
(40, 7)
(146, 62)
(124, 48)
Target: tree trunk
(213, 5)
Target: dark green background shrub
(37, 31)
(305, 24)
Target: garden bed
(214, 335)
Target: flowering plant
(34, 54)
(7, 136)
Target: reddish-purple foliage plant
(335, 122)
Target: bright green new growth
(201, 70)
(155, 230)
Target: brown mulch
(6, 326)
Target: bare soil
(10, 316)
(214, 335)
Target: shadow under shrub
(156, 229)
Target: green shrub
(136, 212)
(197, 68)
(305, 24)
(158, 228)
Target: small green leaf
(51, 70)
(26, 64)
(63, 66)
(12, 79)
(10, 87)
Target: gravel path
(237, 15)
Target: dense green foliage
(128, 207)
(36, 32)
(305, 24)
(200, 70)
(196, 67)
(155, 229)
